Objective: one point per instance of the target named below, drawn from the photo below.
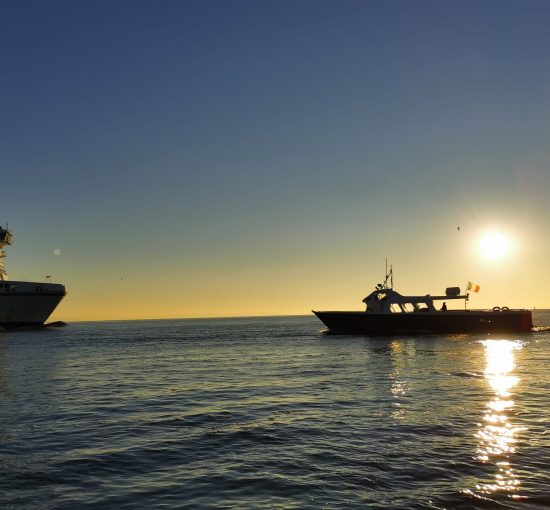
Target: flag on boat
(473, 287)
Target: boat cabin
(386, 300)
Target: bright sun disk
(494, 245)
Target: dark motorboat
(390, 313)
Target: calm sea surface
(271, 413)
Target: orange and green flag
(473, 287)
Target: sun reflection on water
(399, 385)
(497, 435)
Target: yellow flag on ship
(473, 287)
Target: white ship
(24, 303)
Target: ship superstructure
(24, 303)
(5, 240)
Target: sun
(495, 245)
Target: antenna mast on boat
(389, 276)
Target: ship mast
(5, 240)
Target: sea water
(271, 413)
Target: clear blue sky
(243, 149)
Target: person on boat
(444, 306)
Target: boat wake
(540, 329)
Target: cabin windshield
(408, 307)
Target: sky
(219, 158)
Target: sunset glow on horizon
(193, 159)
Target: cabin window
(408, 307)
(395, 308)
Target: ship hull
(467, 321)
(28, 304)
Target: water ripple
(270, 413)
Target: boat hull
(467, 321)
(28, 304)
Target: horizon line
(216, 317)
